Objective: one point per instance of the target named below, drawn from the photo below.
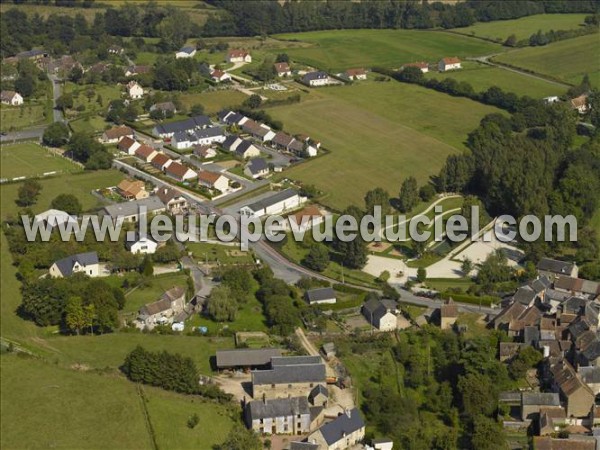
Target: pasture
(342, 49)
(30, 160)
(214, 101)
(566, 61)
(523, 27)
(26, 115)
(482, 77)
(378, 133)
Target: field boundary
(147, 421)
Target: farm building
(320, 296)
(280, 416)
(246, 358)
(346, 430)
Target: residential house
(161, 312)
(580, 103)
(137, 70)
(278, 203)
(320, 296)
(345, 431)
(116, 50)
(145, 153)
(161, 161)
(245, 358)
(446, 64)
(314, 79)
(219, 76)
(577, 286)
(550, 419)
(306, 218)
(134, 90)
(279, 416)
(231, 142)
(282, 140)
(185, 52)
(167, 130)
(174, 201)
(86, 263)
(131, 211)
(578, 396)
(247, 150)
(355, 74)
(180, 172)
(164, 107)
(206, 136)
(128, 145)
(53, 218)
(533, 402)
(140, 245)
(132, 189)
(213, 180)
(259, 131)
(381, 314)
(257, 168)
(421, 65)
(115, 134)
(302, 149)
(550, 100)
(288, 376)
(11, 98)
(237, 55)
(204, 151)
(552, 268)
(283, 69)
(448, 314)
(229, 117)
(319, 396)
(590, 375)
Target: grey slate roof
(592, 351)
(319, 75)
(290, 369)
(194, 135)
(590, 374)
(126, 209)
(531, 335)
(555, 266)
(540, 284)
(343, 425)
(303, 446)
(524, 295)
(246, 357)
(280, 407)
(230, 117)
(540, 398)
(574, 305)
(241, 149)
(315, 295)
(257, 165)
(229, 141)
(65, 265)
(377, 309)
(272, 200)
(184, 125)
(319, 389)
(187, 49)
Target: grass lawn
(523, 27)
(28, 160)
(567, 60)
(146, 58)
(80, 185)
(442, 284)
(249, 318)
(26, 115)
(89, 124)
(482, 77)
(214, 101)
(80, 95)
(378, 134)
(138, 297)
(223, 254)
(342, 49)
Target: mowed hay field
(84, 410)
(524, 27)
(378, 133)
(342, 49)
(567, 60)
(30, 160)
(482, 77)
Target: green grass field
(80, 95)
(343, 49)
(249, 318)
(482, 77)
(89, 124)
(28, 160)
(523, 27)
(567, 60)
(378, 134)
(222, 254)
(18, 117)
(215, 101)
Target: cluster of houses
(290, 396)
(168, 309)
(443, 65)
(557, 314)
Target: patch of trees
(85, 149)
(77, 303)
(237, 286)
(170, 371)
(543, 38)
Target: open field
(221, 254)
(18, 117)
(75, 409)
(80, 95)
(249, 318)
(378, 134)
(28, 160)
(524, 27)
(567, 60)
(89, 124)
(214, 101)
(342, 49)
(482, 77)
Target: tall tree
(409, 194)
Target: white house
(551, 99)
(206, 136)
(86, 263)
(446, 64)
(258, 130)
(316, 79)
(185, 52)
(421, 65)
(283, 69)
(247, 149)
(256, 168)
(321, 296)
(11, 98)
(219, 76)
(381, 314)
(128, 145)
(115, 134)
(142, 245)
(237, 55)
(134, 90)
(53, 218)
(213, 180)
(145, 153)
(180, 172)
(356, 74)
(279, 202)
(167, 130)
